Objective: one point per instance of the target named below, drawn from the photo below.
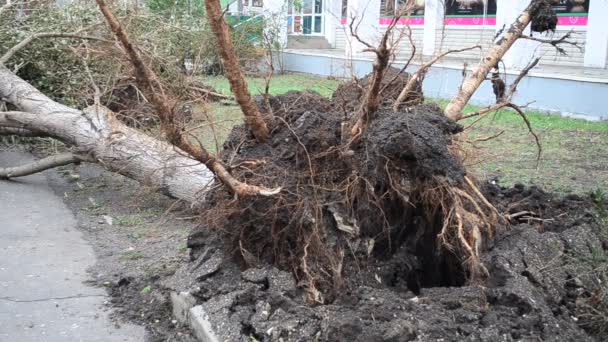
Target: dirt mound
(539, 288)
(365, 230)
(363, 202)
(349, 96)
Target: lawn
(574, 152)
(279, 84)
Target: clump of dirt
(388, 234)
(348, 96)
(544, 17)
(539, 284)
(334, 199)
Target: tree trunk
(455, 107)
(232, 69)
(96, 133)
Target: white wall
(596, 53)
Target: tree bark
(232, 69)
(98, 135)
(470, 85)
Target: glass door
(305, 17)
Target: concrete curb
(193, 316)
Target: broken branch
(556, 42)
(419, 75)
(41, 165)
(234, 74)
(12, 51)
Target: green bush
(56, 65)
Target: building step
(307, 42)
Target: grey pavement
(43, 263)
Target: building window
(459, 8)
(388, 8)
(253, 3)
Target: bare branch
(12, 51)
(22, 132)
(419, 75)
(521, 75)
(41, 165)
(234, 74)
(484, 110)
(521, 113)
(211, 93)
(407, 63)
(557, 42)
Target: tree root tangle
(400, 191)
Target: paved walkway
(43, 263)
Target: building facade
(437, 25)
(318, 40)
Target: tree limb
(12, 51)
(234, 74)
(22, 132)
(41, 165)
(149, 80)
(419, 75)
(371, 101)
(111, 143)
(556, 42)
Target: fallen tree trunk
(98, 135)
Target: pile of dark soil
(348, 96)
(541, 288)
(357, 231)
(333, 199)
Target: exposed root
(468, 220)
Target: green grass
(279, 84)
(574, 152)
(133, 255)
(129, 220)
(574, 155)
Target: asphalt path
(43, 269)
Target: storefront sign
(470, 12)
(571, 12)
(388, 9)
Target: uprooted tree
(310, 186)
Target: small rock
(72, 177)
(108, 219)
(255, 275)
(399, 330)
(209, 267)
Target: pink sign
(403, 21)
(491, 21)
(572, 21)
(343, 21)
